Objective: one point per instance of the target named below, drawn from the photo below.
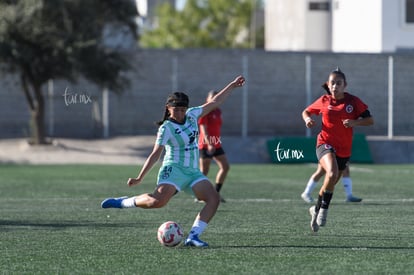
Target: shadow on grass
(11, 225)
(376, 202)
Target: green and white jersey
(180, 140)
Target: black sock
(318, 203)
(218, 186)
(326, 199)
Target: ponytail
(166, 116)
(326, 88)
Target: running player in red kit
(340, 112)
(209, 144)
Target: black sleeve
(365, 114)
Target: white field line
(259, 200)
(254, 200)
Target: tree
(202, 24)
(62, 39)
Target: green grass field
(51, 223)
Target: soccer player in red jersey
(319, 173)
(340, 112)
(209, 145)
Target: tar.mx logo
(213, 140)
(76, 98)
(287, 154)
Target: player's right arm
(313, 109)
(149, 163)
(309, 121)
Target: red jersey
(333, 113)
(212, 121)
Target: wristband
(308, 119)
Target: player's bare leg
(320, 210)
(159, 198)
(224, 168)
(204, 191)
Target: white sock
(128, 203)
(310, 186)
(347, 182)
(198, 228)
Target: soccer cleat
(113, 202)
(195, 241)
(306, 197)
(353, 199)
(322, 215)
(314, 225)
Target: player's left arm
(364, 119)
(221, 96)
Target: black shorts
(205, 155)
(324, 149)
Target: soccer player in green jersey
(178, 135)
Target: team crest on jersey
(191, 119)
(349, 108)
(328, 147)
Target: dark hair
(337, 71)
(177, 99)
(326, 88)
